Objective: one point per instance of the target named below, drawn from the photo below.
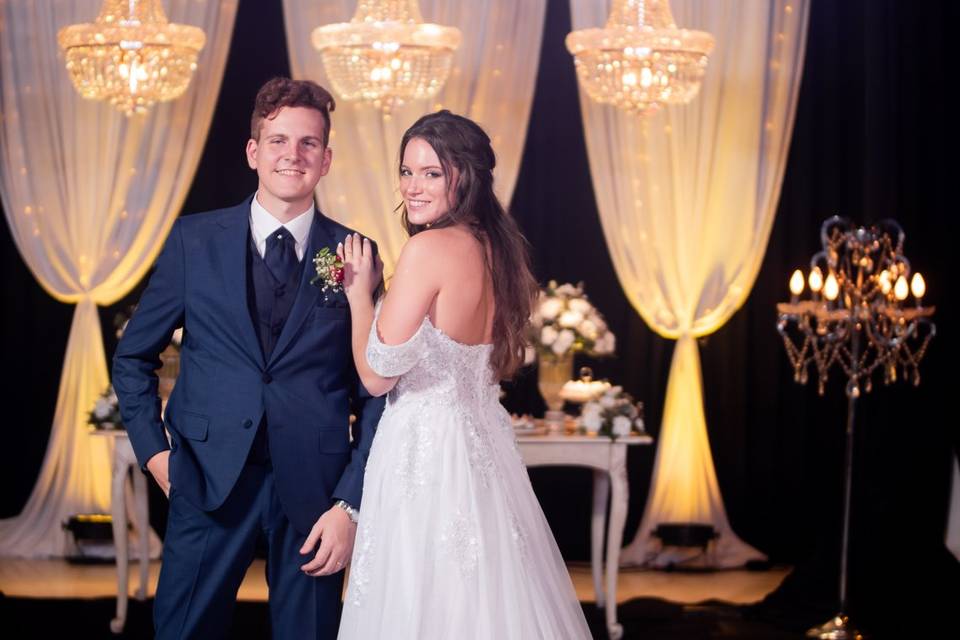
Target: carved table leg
(620, 493)
(601, 490)
(118, 513)
(143, 529)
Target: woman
(452, 542)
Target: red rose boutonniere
(329, 269)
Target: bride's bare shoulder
(440, 247)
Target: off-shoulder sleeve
(391, 360)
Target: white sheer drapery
(687, 199)
(90, 196)
(492, 82)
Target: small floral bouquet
(123, 317)
(106, 411)
(564, 321)
(329, 268)
(613, 414)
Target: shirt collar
(262, 224)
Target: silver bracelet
(351, 512)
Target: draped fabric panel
(89, 196)
(492, 82)
(687, 199)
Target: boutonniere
(329, 269)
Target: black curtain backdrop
(875, 138)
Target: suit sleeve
(159, 312)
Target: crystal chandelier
(132, 55)
(386, 54)
(640, 60)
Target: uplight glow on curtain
(687, 199)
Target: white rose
(548, 335)
(570, 319)
(588, 330)
(599, 321)
(615, 391)
(580, 305)
(606, 344)
(102, 408)
(563, 342)
(638, 423)
(591, 407)
(550, 307)
(591, 422)
(621, 426)
(607, 401)
(568, 290)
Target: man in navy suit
(260, 441)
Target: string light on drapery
(640, 60)
(132, 56)
(386, 55)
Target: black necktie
(280, 255)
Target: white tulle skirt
(452, 542)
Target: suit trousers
(207, 554)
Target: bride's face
(423, 184)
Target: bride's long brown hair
(461, 144)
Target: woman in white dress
(451, 542)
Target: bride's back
(464, 306)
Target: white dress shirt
(262, 224)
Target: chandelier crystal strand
(640, 60)
(386, 55)
(132, 56)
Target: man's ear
(327, 161)
(252, 153)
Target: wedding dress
(452, 542)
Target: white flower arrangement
(613, 414)
(106, 411)
(564, 321)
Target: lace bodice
(432, 363)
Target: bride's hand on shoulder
(362, 269)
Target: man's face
(289, 158)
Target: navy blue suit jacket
(307, 389)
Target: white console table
(608, 460)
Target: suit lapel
(321, 235)
(230, 246)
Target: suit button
(247, 423)
(267, 378)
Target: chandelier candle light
(858, 316)
(132, 56)
(386, 55)
(640, 60)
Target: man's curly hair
(284, 92)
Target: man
(260, 444)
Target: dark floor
(643, 619)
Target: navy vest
(270, 303)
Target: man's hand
(335, 532)
(159, 468)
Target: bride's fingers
(340, 251)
